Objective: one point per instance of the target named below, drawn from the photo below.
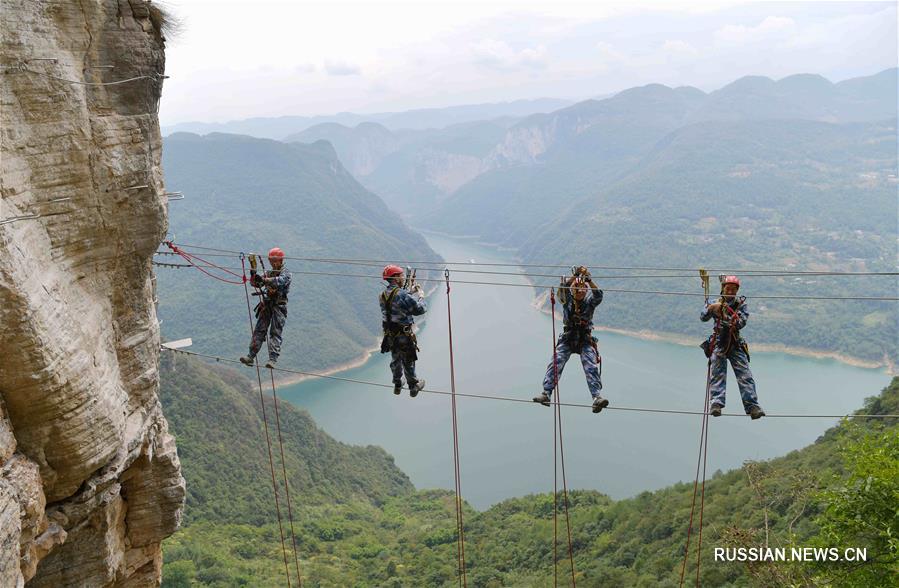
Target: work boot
(756, 412)
(247, 360)
(542, 399)
(416, 388)
(398, 388)
(270, 364)
(599, 403)
(716, 410)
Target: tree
(863, 510)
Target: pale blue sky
(239, 59)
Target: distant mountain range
(414, 172)
(412, 169)
(423, 118)
(799, 173)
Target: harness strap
(733, 332)
(387, 299)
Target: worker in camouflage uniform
(578, 304)
(726, 344)
(271, 312)
(398, 307)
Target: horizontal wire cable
(566, 266)
(511, 399)
(617, 290)
(598, 276)
(80, 83)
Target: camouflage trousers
(590, 360)
(739, 361)
(269, 324)
(402, 360)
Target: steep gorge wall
(90, 481)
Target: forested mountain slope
(776, 194)
(247, 194)
(360, 523)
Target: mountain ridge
(415, 119)
(249, 194)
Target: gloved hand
(583, 272)
(417, 289)
(256, 280)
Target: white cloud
(321, 57)
(771, 26)
(679, 48)
(499, 55)
(342, 68)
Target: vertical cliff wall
(89, 477)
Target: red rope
(558, 417)
(190, 259)
(268, 441)
(460, 526)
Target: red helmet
(276, 253)
(391, 271)
(730, 280)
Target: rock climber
(579, 296)
(400, 302)
(726, 344)
(271, 312)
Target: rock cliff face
(90, 481)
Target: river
(502, 346)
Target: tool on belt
(409, 283)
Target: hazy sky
(240, 59)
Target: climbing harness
(394, 333)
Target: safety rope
(460, 526)
(219, 358)
(268, 440)
(703, 451)
(705, 455)
(558, 417)
(552, 299)
(189, 257)
(293, 536)
(154, 76)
